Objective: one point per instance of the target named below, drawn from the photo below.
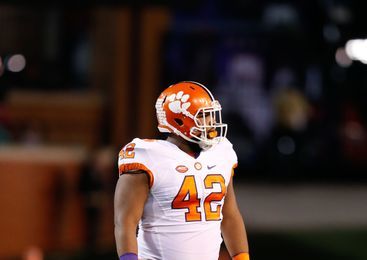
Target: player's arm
(233, 227)
(130, 195)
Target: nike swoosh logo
(211, 167)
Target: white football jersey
(183, 213)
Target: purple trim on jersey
(129, 256)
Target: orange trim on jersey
(233, 167)
(241, 256)
(137, 166)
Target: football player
(179, 190)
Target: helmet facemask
(209, 128)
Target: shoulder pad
(137, 145)
(226, 148)
(133, 157)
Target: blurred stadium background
(79, 79)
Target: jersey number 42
(187, 198)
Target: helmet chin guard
(189, 110)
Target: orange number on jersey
(128, 151)
(214, 196)
(187, 198)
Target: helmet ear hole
(179, 121)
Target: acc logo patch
(182, 168)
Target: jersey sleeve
(133, 157)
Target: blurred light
(286, 145)
(341, 14)
(342, 58)
(16, 63)
(1, 67)
(354, 131)
(357, 50)
(278, 14)
(331, 33)
(33, 253)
